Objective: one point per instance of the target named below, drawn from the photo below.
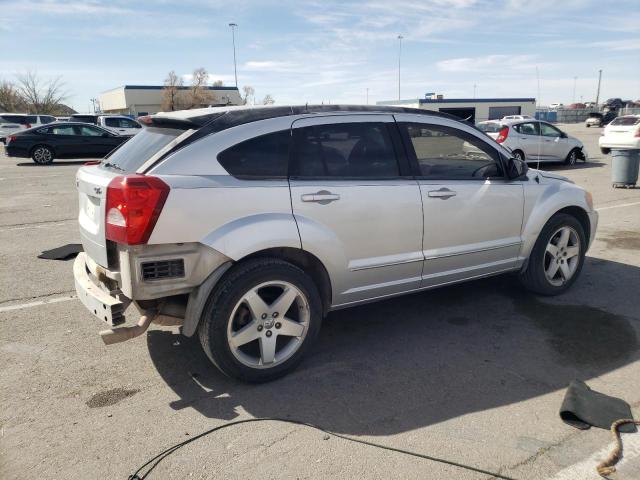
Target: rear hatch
(92, 182)
(623, 127)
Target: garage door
(496, 113)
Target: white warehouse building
(147, 99)
(471, 109)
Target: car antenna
(539, 127)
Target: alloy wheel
(42, 155)
(562, 256)
(268, 324)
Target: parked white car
(247, 225)
(535, 141)
(119, 124)
(623, 132)
(14, 122)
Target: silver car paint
(371, 241)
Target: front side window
(20, 119)
(549, 131)
(345, 150)
(529, 128)
(112, 122)
(452, 154)
(266, 156)
(32, 119)
(66, 130)
(47, 119)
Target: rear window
(489, 127)
(83, 118)
(626, 121)
(140, 148)
(20, 119)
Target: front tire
(572, 158)
(260, 320)
(42, 155)
(557, 256)
(605, 151)
(518, 154)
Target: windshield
(134, 152)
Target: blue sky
(314, 51)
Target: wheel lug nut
(264, 315)
(269, 333)
(278, 324)
(260, 327)
(275, 315)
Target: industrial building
(147, 99)
(471, 109)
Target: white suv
(14, 122)
(535, 141)
(247, 225)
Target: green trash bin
(624, 167)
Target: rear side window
(47, 119)
(32, 119)
(140, 148)
(345, 150)
(266, 156)
(112, 122)
(626, 121)
(529, 128)
(66, 130)
(489, 127)
(451, 154)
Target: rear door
(65, 140)
(357, 207)
(472, 213)
(528, 139)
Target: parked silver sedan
(246, 226)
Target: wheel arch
(32, 149)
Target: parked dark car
(62, 140)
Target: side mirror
(563, 135)
(106, 135)
(516, 168)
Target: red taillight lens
(27, 125)
(637, 132)
(134, 203)
(12, 138)
(502, 134)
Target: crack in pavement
(37, 297)
(28, 224)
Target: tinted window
(549, 131)
(530, 128)
(345, 150)
(20, 119)
(140, 148)
(32, 119)
(84, 118)
(449, 153)
(47, 119)
(112, 122)
(91, 132)
(489, 127)
(120, 123)
(65, 130)
(263, 156)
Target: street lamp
(233, 37)
(400, 37)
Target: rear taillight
(502, 134)
(27, 125)
(133, 205)
(12, 138)
(637, 132)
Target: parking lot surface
(473, 373)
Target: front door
(472, 213)
(554, 144)
(357, 207)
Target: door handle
(322, 197)
(443, 193)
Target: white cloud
(269, 66)
(487, 63)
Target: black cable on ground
(153, 463)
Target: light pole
(474, 90)
(233, 38)
(598, 92)
(400, 37)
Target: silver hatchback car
(246, 226)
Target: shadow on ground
(409, 362)
(56, 163)
(552, 167)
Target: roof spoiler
(168, 122)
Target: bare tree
(249, 94)
(41, 96)
(218, 83)
(171, 92)
(268, 100)
(198, 94)
(10, 98)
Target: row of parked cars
(44, 138)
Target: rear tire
(556, 261)
(42, 155)
(519, 154)
(243, 331)
(605, 151)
